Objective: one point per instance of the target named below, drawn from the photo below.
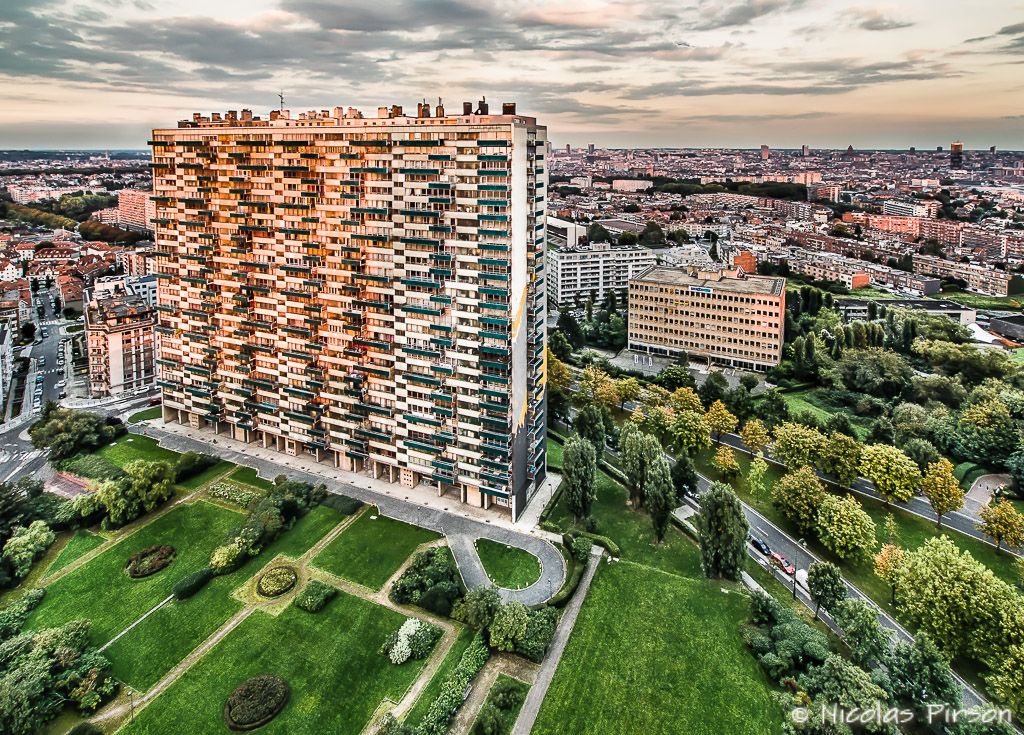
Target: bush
(150, 560)
(342, 503)
(226, 558)
(315, 595)
(431, 581)
(26, 545)
(414, 640)
(441, 711)
(603, 541)
(13, 616)
(191, 464)
(540, 629)
(192, 583)
(255, 702)
(231, 492)
(267, 518)
(275, 582)
(581, 549)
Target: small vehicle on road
(783, 563)
(759, 544)
(155, 401)
(61, 383)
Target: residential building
(563, 233)
(366, 291)
(725, 317)
(135, 209)
(902, 208)
(631, 185)
(7, 337)
(120, 342)
(980, 278)
(594, 269)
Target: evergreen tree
(722, 531)
(660, 495)
(579, 467)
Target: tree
(684, 399)
(638, 450)
(714, 388)
(597, 233)
(722, 532)
(773, 408)
(922, 451)
(825, 583)
(559, 375)
(893, 473)
(719, 420)
(26, 545)
(568, 326)
(508, 626)
(889, 564)
(987, 432)
(559, 345)
(579, 468)
(28, 331)
(844, 527)
(628, 389)
(920, 675)
(725, 462)
(866, 638)
(1008, 679)
(842, 684)
(596, 388)
(839, 456)
(675, 376)
(755, 436)
(478, 608)
(942, 489)
(684, 476)
(66, 432)
(796, 445)
(1015, 465)
(660, 495)
(589, 424)
(755, 476)
(690, 432)
(1001, 522)
(799, 494)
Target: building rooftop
(119, 306)
(724, 280)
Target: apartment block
(575, 274)
(980, 278)
(135, 209)
(725, 317)
(120, 341)
(366, 291)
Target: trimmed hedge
(553, 502)
(275, 582)
(192, 583)
(572, 581)
(342, 503)
(603, 541)
(443, 709)
(315, 596)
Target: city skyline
(101, 74)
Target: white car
(61, 383)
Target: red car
(155, 401)
(783, 563)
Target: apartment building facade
(135, 209)
(119, 335)
(367, 291)
(577, 273)
(726, 317)
(980, 278)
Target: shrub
(581, 548)
(26, 545)
(269, 515)
(192, 583)
(255, 702)
(315, 595)
(191, 464)
(275, 582)
(232, 492)
(150, 560)
(342, 503)
(414, 640)
(431, 581)
(13, 616)
(92, 466)
(540, 629)
(603, 541)
(226, 558)
(441, 711)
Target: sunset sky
(829, 73)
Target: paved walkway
(981, 493)
(546, 673)
(462, 524)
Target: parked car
(155, 401)
(759, 544)
(782, 563)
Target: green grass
(431, 690)
(810, 400)
(132, 446)
(657, 654)
(249, 476)
(508, 566)
(304, 534)
(147, 414)
(372, 549)
(554, 453)
(210, 473)
(1017, 355)
(329, 660)
(632, 531)
(981, 301)
(508, 719)
(80, 544)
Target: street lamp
(796, 563)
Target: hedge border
(291, 570)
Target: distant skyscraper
(956, 154)
(590, 148)
(913, 149)
(805, 151)
(568, 148)
(765, 153)
(992, 149)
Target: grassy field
(554, 453)
(147, 414)
(372, 549)
(80, 544)
(632, 530)
(981, 301)
(508, 719)
(670, 661)
(337, 695)
(432, 689)
(811, 401)
(249, 476)
(1018, 354)
(508, 566)
(132, 446)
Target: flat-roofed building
(725, 317)
(120, 342)
(577, 273)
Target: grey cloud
(740, 13)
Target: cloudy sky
(101, 73)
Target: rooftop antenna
(280, 97)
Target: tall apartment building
(120, 342)
(904, 208)
(725, 317)
(367, 291)
(577, 273)
(135, 209)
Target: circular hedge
(150, 560)
(255, 702)
(275, 582)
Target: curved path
(460, 530)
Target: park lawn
(810, 400)
(632, 530)
(145, 654)
(130, 447)
(100, 590)
(508, 566)
(249, 476)
(433, 688)
(657, 654)
(554, 453)
(980, 301)
(372, 549)
(209, 474)
(338, 694)
(508, 718)
(80, 544)
(147, 414)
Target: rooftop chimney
(467, 108)
(508, 108)
(439, 110)
(382, 111)
(481, 108)
(396, 111)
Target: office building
(577, 273)
(120, 342)
(956, 154)
(725, 317)
(366, 291)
